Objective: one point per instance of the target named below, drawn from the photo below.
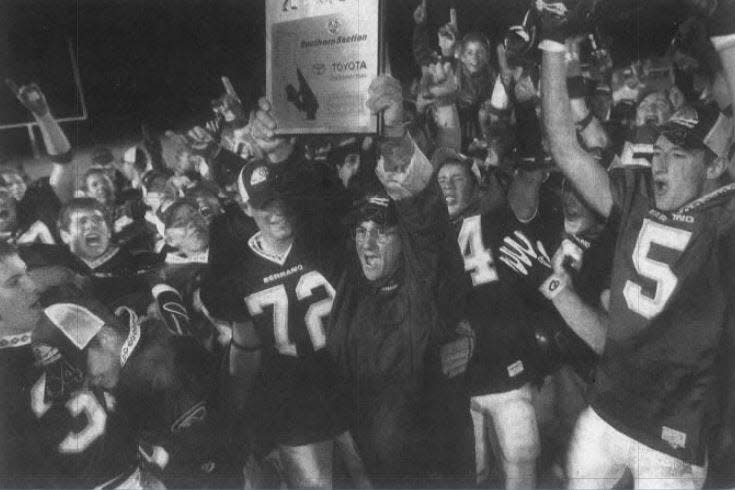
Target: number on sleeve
(83, 402)
(660, 272)
(477, 258)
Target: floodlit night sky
(160, 61)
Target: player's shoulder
(716, 209)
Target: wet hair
(80, 204)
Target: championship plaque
(321, 56)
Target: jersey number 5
(278, 298)
(83, 402)
(660, 272)
(477, 259)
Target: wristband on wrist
(553, 285)
(584, 122)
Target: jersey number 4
(478, 260)
(278, 298)
(653, 233)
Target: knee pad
(516, 430)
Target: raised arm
(402, 168)
(721, 29)
(580, 167)
(588, 322)
(57, 144)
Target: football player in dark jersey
(32, 216)
(499, 247)
(278, 287)
(281, 293)
(670, 297)
(119, 276)
(161, 386)
(57, 433)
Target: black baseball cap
(702, 127)
(375, 206)
(258, 183)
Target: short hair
(96, 171)
(81, 204)
(465, 164)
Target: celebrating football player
(671, 291)
(280, 292)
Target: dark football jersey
(121, 278)
(288, 300)
(497, 250)
(667, 309)
(20, 463)
(82, 439)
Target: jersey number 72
(278, 298)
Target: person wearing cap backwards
(671, 294)
(28, 214)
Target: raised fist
(31, 97)
(263, 125)
(419, 15)
(561, 19)
(447, 37)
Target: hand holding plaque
(263, 125)
(386, 95)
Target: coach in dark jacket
(385, 328)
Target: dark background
(160, 61)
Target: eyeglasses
(381, 235)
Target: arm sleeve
(627, 186)
(411, 178)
